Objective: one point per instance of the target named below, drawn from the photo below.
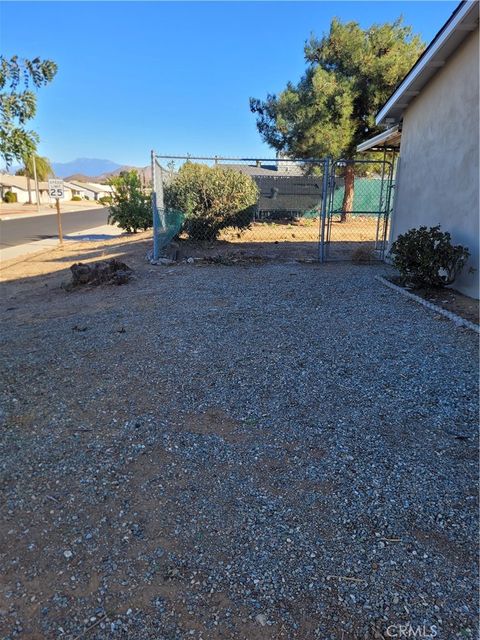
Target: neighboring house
(288, 196)
(91, 190)
(434, 114)
(19, 186)
(71, 190)
(285, 192)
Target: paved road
(22, 230)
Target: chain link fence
(273, 208)
(268, 208)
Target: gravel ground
(249, 452)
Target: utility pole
(36, 182)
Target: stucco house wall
(23, 197)
(438, 172)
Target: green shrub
(130, 206)
(9, 196)
(76, 198)
(426, 257)
(211, 198)
(105, 200)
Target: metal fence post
(156, 250)
(380, 206)
(324, 209)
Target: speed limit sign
(55, 188)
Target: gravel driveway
(248, 452)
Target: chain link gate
(358, 206)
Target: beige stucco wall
(438, 175)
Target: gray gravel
(278, 451)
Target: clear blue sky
(175, 76)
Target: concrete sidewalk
(8, 212)
(105, 232)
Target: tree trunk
(347, 205)
(29, 187)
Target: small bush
(105, 200)
(212, 198)
(427, 258)
(9, 196)
(130, 206)
(76, 198)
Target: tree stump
(104, 272)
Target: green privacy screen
(366, 199)
(169, 223)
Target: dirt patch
(448, 299)
(287, 240)
(264, 241)
(440, 542)
(213, 421)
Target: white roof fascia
(378, 140)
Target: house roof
(70, 185)
(462, 21)
(20, 182)
(389, 139)
(265, 169)
(92, 186)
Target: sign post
(56, 190)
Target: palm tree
(44, 171)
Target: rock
(68, 553)
(261, 619)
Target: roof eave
(389, 139)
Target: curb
(33, 214)
(459, 321)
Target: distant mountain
(85, 166)
(145, 175)
(80, 177)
